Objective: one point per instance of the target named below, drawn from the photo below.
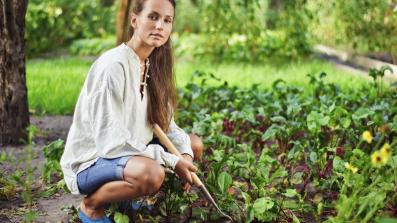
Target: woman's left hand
(186, 185)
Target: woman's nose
(159, 24)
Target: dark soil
(49, 209)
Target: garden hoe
(171, 148)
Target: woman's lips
(157, 35)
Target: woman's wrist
(187, 157)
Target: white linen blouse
(110, 118)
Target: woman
(109, 155)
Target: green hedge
(364, 26)
(51, 24)
(93, 46)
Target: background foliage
(277, 150)
(52, 24)
(239, 30)
(364, 26)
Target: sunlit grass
(54, 83)
(294, 73)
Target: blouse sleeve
(180, 139)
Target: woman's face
(153, 25)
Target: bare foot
(91, 212)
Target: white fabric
(110, 119)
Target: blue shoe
(140, 204)
(134, 205)
(85, 219)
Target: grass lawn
(54, 84)
(294, 73)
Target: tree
(123, 29)
(274, 7)
(14, 113)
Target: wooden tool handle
(171, 148)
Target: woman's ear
(133, 21)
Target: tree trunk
(123, 28)
(14, 113)
(272, 13)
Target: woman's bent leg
(197, 146)
(142, 176)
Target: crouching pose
(110, 153)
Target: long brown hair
(162, 95)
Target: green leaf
(338, 164)
(295, 219)
(393, 162)
(345, 122)
(290, 193)
(385, 68)
(270, 132)
(313, 157)
(279, 119)
(362, 113)
(266, 160)
(120, 218)
(279, 173)
(394, 125)
(224, 181)
(315, 120)
(250, 214)
(263, 204)
(387, 220)
(247, 198)
(297, 178)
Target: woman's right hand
(184, 168)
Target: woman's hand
(183, 168)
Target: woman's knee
(154, 178)
(197, 146)
(144, 174)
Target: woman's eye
(168, 21)
(152, 17)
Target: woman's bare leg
(197, 146)
(142, 176)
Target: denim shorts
(103, 171)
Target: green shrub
(365, 26)
(238, 31)
(368, 24)
(94, 46)
(54, 23)
(266, 45)
(186, 18)
(7, 188)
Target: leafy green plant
(284, 154)
(52, 169)
(290, 153)
(377, 77)
(7, 187)
(23, 177)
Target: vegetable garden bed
(282, 155)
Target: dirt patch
(49, 209)
(51, 128)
